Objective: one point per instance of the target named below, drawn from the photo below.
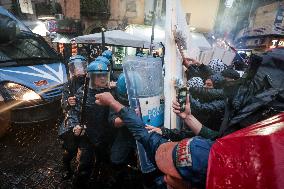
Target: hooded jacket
(259, 96)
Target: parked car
(31, 73)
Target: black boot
(66, 171)
(80, 180)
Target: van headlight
(19, 92)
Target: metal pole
(170, 64)
(103, 39)
(153, 25)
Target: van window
(4, 14)
(26, 48)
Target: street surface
(30, 157)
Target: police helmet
(77, 65)
(107, 54)
(103, 59)
(99, 74)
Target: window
(26, 47)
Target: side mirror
(8, 29)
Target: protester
(209, 84)
(195, 82)
(230, 74)
(240, 62)
(217, 81)
(216, 65)
(185, 163)
(153, 144)
(196, 69)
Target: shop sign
(277, 43)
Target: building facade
(201, 14)
(111, 14)
(265, 29)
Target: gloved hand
(72, 101)
(79, 131)
(112, 84)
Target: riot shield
(144, 81)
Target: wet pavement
(30, 157)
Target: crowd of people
(99, 122)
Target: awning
(114, 37)
(145, 32)
(63, 38)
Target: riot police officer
(77, 71)
(92, 133)
(108, 54)
(108, 63)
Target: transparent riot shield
(144, 81)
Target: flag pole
(170, 64)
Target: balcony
(98, 9)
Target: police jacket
(70, 89)
(96, 116)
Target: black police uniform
(122, 152)
(124, 142)
(96, 135)
(65, 133)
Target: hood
(37, 77)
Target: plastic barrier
(144, 81)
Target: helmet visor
(77, 68)
(99, 80)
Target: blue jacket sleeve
(150, 141)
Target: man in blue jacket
(183, 163)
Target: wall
(130, 10)
(265, 15)
(267, 20)
(122, 12)
(202, 13)
(71, 8)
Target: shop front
(259, 44)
